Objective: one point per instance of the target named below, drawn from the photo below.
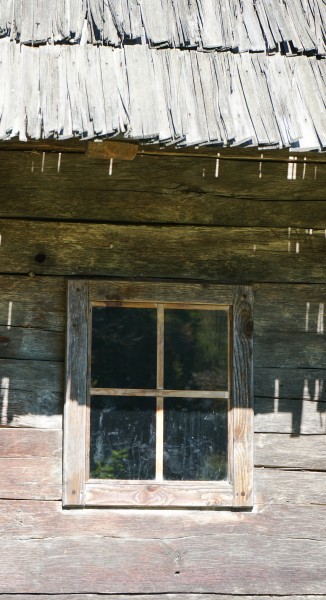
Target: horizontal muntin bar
(223, 395)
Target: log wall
(172, 219)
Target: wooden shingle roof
(185, 71)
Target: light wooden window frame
(78, 490)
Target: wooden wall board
(290, 383)
(31, 478)
(31, 344)
(288, 351)
(228, 255)
(33, 395)
(289, 416)
(29, 443)
(283, 450)
(213, 596)
(45, 519)
(235, 564)
(283, 486)
(167, 178)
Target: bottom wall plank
(238, 564)
(154, 597)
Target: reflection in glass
(122, 432)
(195, 439)
(196, 349)
(123, 347)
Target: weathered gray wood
(31, 478)
(33, 395)
(137, 184)
(39, 519)
(36, 302)
(181, 596)
(220, 254)
(306, 317)
(28, 443)
(285, 350)
(75, 408)
(282, 450)
(289, 416)
(266, 293)
(128, 566)
(280, 486)
(27, 343)
(296, 383)
(242, 390)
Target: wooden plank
(36, 302)
(294, 384)
(31, 478)
(125, 566)
(129, 251)
(277, 487)
(75, 409)
(297, 417)
(305, 317)
(266, 294)
(39, 519)
(181, 596)
(27, 343)
(179, 181)
(242, 397)
(29, 443)
(31, 393)
(286, 451)
(290, 350)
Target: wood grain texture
(34, 394)
(242, 393)
(158, 189)
(31, 478)
(27, 343)
(181, 596)
(107, 565)
(298, 417)
(282, 486)
(282, 450)
(28, 443)
(75, 410)
(40, 519)
(230, 255)
(290, 351)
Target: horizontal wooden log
(29, 443)
(221, 254)
(307, 317)
(31, 344)
(35, 302)
(236, 564)
(181, 596)
(31, 478)
(267, 293)
(280, 486)
(282, 450)
(31, 393)
(289, 416)
(39, 519)
(298, 384)
(290, 350)
(88, 184)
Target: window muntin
(237, 490)
(160, 349)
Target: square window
(158, 405)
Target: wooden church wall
(168, 218)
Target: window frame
(77, 490)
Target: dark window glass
(196, 349)
(123, 347)
(122, 432)
(195, 439)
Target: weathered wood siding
(163, 218)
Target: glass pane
(195, 439)
(122, 438)
(196, 349)
(123, 347)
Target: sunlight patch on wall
(320, 321)
(9, 315)
(5, 400)
(276, 394)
